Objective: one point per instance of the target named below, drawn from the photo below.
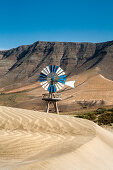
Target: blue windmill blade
(50, 68)
(43, 79)
(53, 68)
(52, 88)
(63, 77)
(43, 75)
(56, 68)
(61, 81)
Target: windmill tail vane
(70, 83)
(53, 78)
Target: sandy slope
(89, 86)
(31, 140)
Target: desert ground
(89, 86)
(33, 140)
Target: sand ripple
(34, 140)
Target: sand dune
(31, 140)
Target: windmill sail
(53, 78)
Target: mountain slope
(21, 66)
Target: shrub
(105, 119)
(89, 116)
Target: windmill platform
(52, 98)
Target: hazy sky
(27, 21)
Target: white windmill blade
(56, 87)
(45, 85)
(44, 82)
(59, 70)
(47, 69)
(60, 85)
(70, 83)
(61, 74)
(43, 71)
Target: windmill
(53, 79)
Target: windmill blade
(45, 85)
(51, 88)
(44, 72)
(70, 83)
(63, 78)
(58, 70)
(60, 85)
(47, 69)
(44, 82)
(57, 88)
(62, 73)
(43, 77)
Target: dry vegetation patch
(100, 116)
(12, 99)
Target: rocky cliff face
(22, 65)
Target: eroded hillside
(21, 66)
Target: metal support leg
(48, 107)
(56, 107)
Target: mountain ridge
(2, 50)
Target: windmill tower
(53, 78)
